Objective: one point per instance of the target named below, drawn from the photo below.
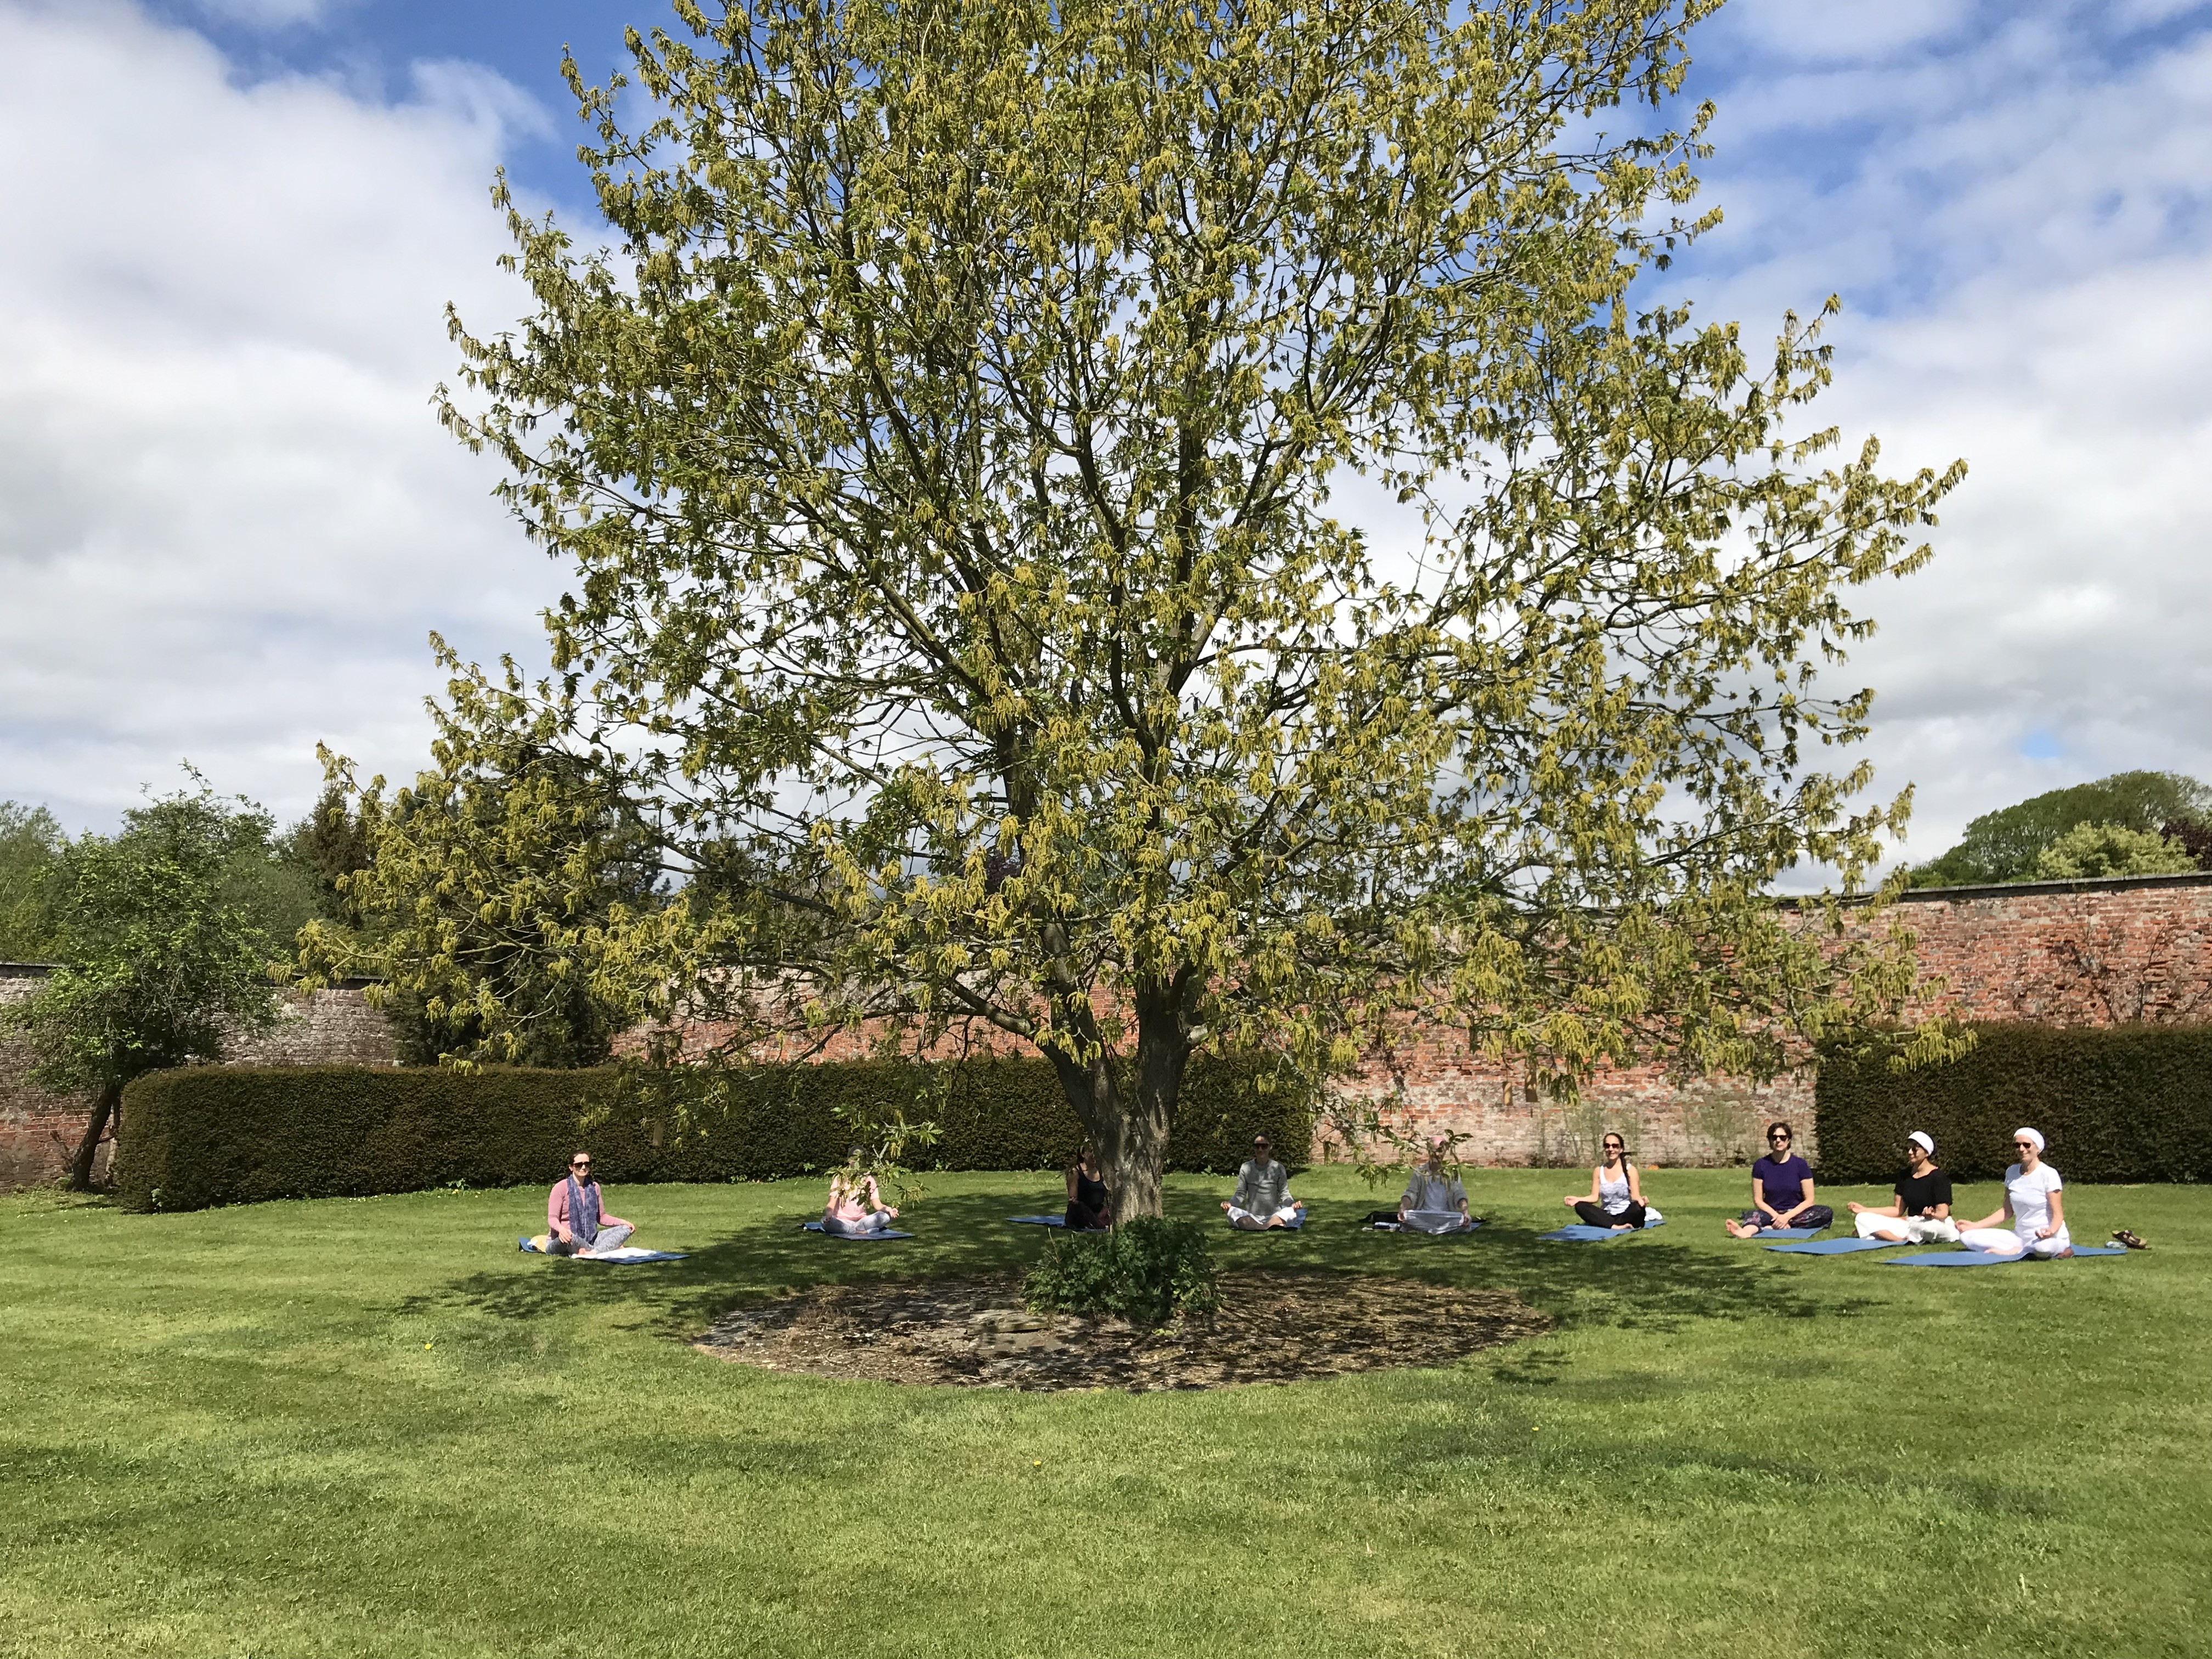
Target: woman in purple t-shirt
(1781, 1190)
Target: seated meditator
(1087, 1209)
(1920, 1211)
(856, 1206)
(1435, 1202)
(2033, 1200)
(576, 1218)
(1781, 1190)
(1615, 1199)
(1263, 1192)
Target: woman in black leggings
(1087, 1208)
(1615, 1199)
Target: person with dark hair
(1088, 1210)
(2035, 1203)
(856, 1206)
(576, 1218)
(1262, 1198)
(1615, 1199)
(1435, 1201)
(1781, 1190)
(1919, 1212)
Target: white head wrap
(1920, 1139)
(2035, 1135)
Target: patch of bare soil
(975, 1332)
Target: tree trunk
(1125, 1107)
(109, 1105)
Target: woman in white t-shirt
(2034, 1203)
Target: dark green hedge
(2118, 1103)
(227, 1135)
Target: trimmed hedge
(221, 1134)
(2116, 1102)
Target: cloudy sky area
(227, 519)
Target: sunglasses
(2028, 1144)
(580, 1163)
(1616, 1146)
(1773, 1139)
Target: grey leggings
(874, 1222)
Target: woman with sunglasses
(1781, 1190)
(2034, 1202)
(1615, 1199)
(576, 1218)
(1263, 1198)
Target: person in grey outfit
(1263, 1192)
(1435, 1201)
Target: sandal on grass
(2124, 1236)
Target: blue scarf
(584, 1210)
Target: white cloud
(227, 516)
(266, 14)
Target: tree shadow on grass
(1649, 1282)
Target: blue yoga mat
(1991, 1258)
(1788, 1232)
(1577, 1233)
(1039, 1220)
(622, 1258)
(1836, 1246)
(856, 1238)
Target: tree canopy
(948, 457)
(2007, 845)
(31, 840)
(160, 961)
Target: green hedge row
(212, 1134)
(2117, 1103)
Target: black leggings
(1594, 1216)
(1082, 1218)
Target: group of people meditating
(2031, 1220)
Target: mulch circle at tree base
(975, 1332)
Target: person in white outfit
(2035, 1203)
(1435, 1201)
(1919, 1210)
(1263, 1197)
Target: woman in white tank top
(2034, 1203)
(1615, 1199)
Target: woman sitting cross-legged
(1781, 1190)
(856, 1206)
(1088, 1210)
(2035, 1203)
(1920, 1212)
(1435, 1201)
(1615, 1199)
(1262, 1198)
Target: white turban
(2035, 1135)
(1919, 1138)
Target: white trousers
(1436, 1221)
(2003, 1241)
(1287, 1215)
(1907, 1229)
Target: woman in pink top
(576, 1220)
(855, 1206)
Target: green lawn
(371, 1427)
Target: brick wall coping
(2026, 889)
(41, 970)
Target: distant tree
(330, 844)
(161, 957)
(465, 894)
(2110, 850)
(30, 843)
(2003, 846)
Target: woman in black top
(1920, 1211)
(1087, 1208)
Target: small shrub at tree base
(1149, 1270)
(212, 1134)
(2125, 1103)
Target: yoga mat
(1991, 1258)
(1787, 1232)
(1577, 1233)
(628, 1253)
(1039, 1220)
(854, 1238)
(1836, 1246)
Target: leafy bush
(2119, 1103)
(2003, 846)
(2090, 850)
(1149, 1270)
(211, 1135)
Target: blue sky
(227, 519)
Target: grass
(370, 1427)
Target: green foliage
(1150, 1269)
(162, 952)
(31, 842)
(945, 462)
(237, 1135)
(2110, 850)
(2003, 846)
(2116, 1103)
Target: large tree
(945, 459)
(2008, 844)
(163, 956)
